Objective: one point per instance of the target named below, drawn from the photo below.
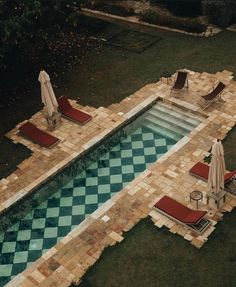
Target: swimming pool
(33, 227)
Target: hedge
(113, 9)
(183, 8)
(188, 25)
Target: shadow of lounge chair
(180, 82)
(38, 136)
(201, 170)
(71, 113)
(191, 219)
(211, 97)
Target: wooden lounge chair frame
(181, 81)
(203, 224)
(199, 227)
(37, 142)
(213, 95)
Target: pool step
(162, 130)
(171, 121)
(171, 127)
(168, 120)
(176, 113)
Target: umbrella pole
(53, 121)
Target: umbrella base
(53, 121)
(216, 200)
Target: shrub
(113, 9)
(183, 8)
(221, 13)
(188, 25)
(29, 21)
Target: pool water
(45, 224)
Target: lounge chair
(180, 82)
(36, 135)
(192, 219)
(71, 113)
(213, 96)
(201, 170)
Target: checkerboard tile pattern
(44, 226)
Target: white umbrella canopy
(217, 168)
(47, 93)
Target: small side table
(196, 195)
(166, 75)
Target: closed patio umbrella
(217, 168)
(47, 93)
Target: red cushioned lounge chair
(201, 170)
(192, 219)
(180, 82)
(70, 113)
(31, 132)
(213, 96)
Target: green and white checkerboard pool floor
(44, 226)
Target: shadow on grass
(154, 257)
(11, 155)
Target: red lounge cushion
(229, 175)
(194, 216)
(74, 114)
(27, 128)
(200, 169)
(63, 104)
(179, 211)
(38, 136)
(77, 115)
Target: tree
(24, 21)
(220, 12)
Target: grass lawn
(154, 257)
(108, 74)
(113, 73)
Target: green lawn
(154, 257)
(111, 73)
(108, 74)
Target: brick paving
(75, 253)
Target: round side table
(196, 195)
(166, 75)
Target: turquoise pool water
(76, 192)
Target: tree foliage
(182, 8)
(220, 12)
(27, 21)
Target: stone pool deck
(75, 253)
